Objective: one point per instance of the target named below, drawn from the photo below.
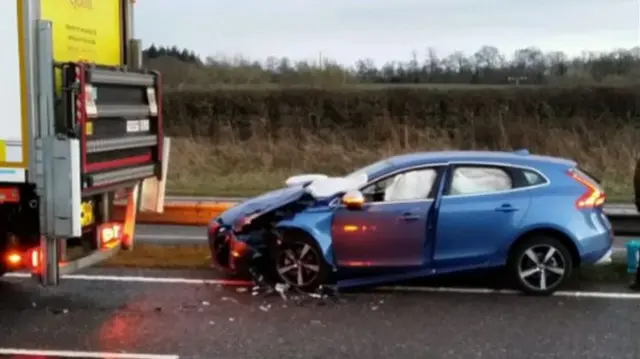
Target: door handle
(408, 216)
(506, 208)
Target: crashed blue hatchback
(419, 215)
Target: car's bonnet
(262, 203)
(321, 188)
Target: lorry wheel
(299, 262)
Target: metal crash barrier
(117, 116)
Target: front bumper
(230, 254)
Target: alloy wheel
(542, 267)
(298, 264)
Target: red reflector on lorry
(9, 195)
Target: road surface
(155, 314)
(206, 321)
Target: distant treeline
(488, 66)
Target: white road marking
(416, 289)
(166, 237)
(141, 279)
(82, 354)
(570, 294)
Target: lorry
(81, 135)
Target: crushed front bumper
(230, 254)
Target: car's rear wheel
(299, 262)
(540, 265)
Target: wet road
(214, 321)
(114, 311)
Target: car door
(390, 231)
(478, 215)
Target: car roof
(522, 158)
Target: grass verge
(615, 272)
(188, 256)
(247, 162)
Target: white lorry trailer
(81, 129)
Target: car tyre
(299, 262)
(539, 265)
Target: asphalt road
(110, 312)
(213, 321)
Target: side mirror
(353, 200)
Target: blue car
(419, 215)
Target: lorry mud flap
(90, 260)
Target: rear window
(533, 178)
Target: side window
(406, 186)
(479, 179)
(533, 178)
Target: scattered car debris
(229, 299)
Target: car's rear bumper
(605, 259)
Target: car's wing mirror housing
(353, 199)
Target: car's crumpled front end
(242, 238)
(230, 251)
(237, 236)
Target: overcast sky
(348, 30)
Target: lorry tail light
(33, 259)
(110, 233)
(13, 259)
(593, 196)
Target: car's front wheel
(539, 265)
(299, 262)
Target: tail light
(593, 197)
(13, 259)
(33, 259)
(30, 259)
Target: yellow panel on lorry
(13, 91)
(86, 30)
